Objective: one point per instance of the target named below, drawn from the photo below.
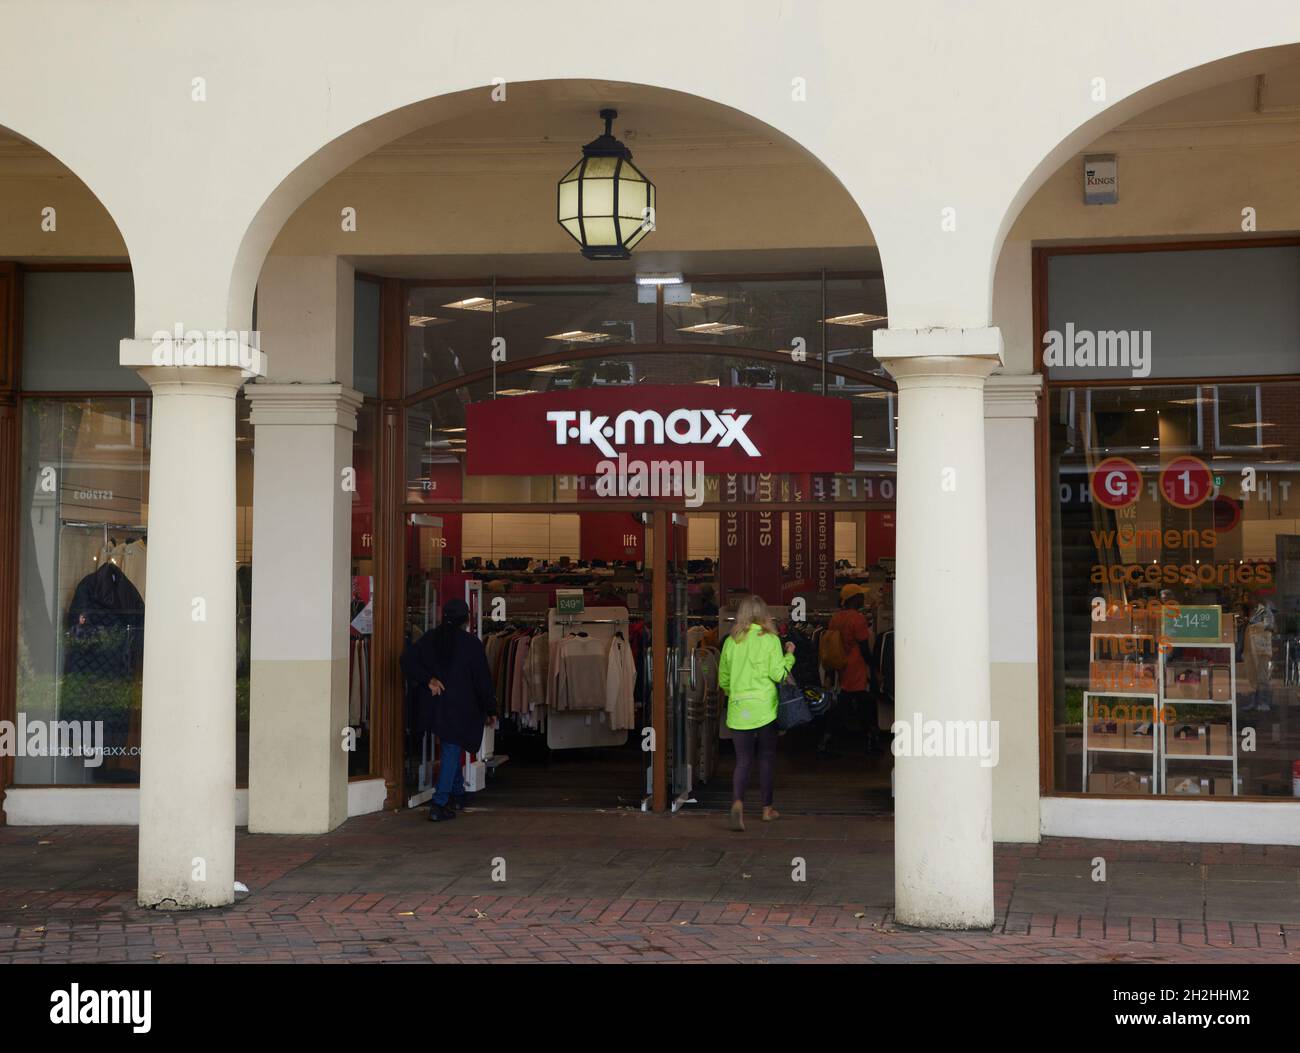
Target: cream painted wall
(702, 536)
(497, 535)
(1187, 168)
(201, 153)
(503, 212)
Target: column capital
(300, 404)
(891, 345)
(220, 381)
(942, 371)
(1012, 395)
(195, 349)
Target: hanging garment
(1257, 658)
(103, 650)
(620, 682)
(579, 676)
(355, 660)
(132, 557)
(538, 665)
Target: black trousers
(763, 741)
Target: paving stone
(632, 887)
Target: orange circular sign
(1186, 482)
(1116, 482)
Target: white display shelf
(1153, 699)
(1230, 702)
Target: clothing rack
(518, 616)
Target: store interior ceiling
(864, 258)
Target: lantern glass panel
(633, 233)
(597, 197)
(600, 231)
(568, 200)
(601, 167)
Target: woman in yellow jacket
(751, 666)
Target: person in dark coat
(451, 667)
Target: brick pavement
(624, 887)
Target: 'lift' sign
(729, 429)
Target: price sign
(1193, 624)
(570, 601)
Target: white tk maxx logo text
(684, 427)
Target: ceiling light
(579, 336)
(516, 391)
(554, 367)
(714, 382)
(422, 320)
(857, 318)
(703, 300)
(1255, 424)
(659, 278)
(484, 303)
(605, 203)
(712, 328)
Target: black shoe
(440, 813)
(458, 802)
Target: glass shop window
(84, 545)
(1175, 605)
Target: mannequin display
(1257, 654)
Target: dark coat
(468, 697)
(105, 623)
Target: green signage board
(569, 601)
(1193, 624)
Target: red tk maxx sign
(728, 429)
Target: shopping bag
(791, 706)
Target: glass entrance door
(682, 729)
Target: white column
(943, 821)
(297, 766)
(304, 416)
(187, 736)
(1010, 408)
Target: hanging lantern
(605, 203)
